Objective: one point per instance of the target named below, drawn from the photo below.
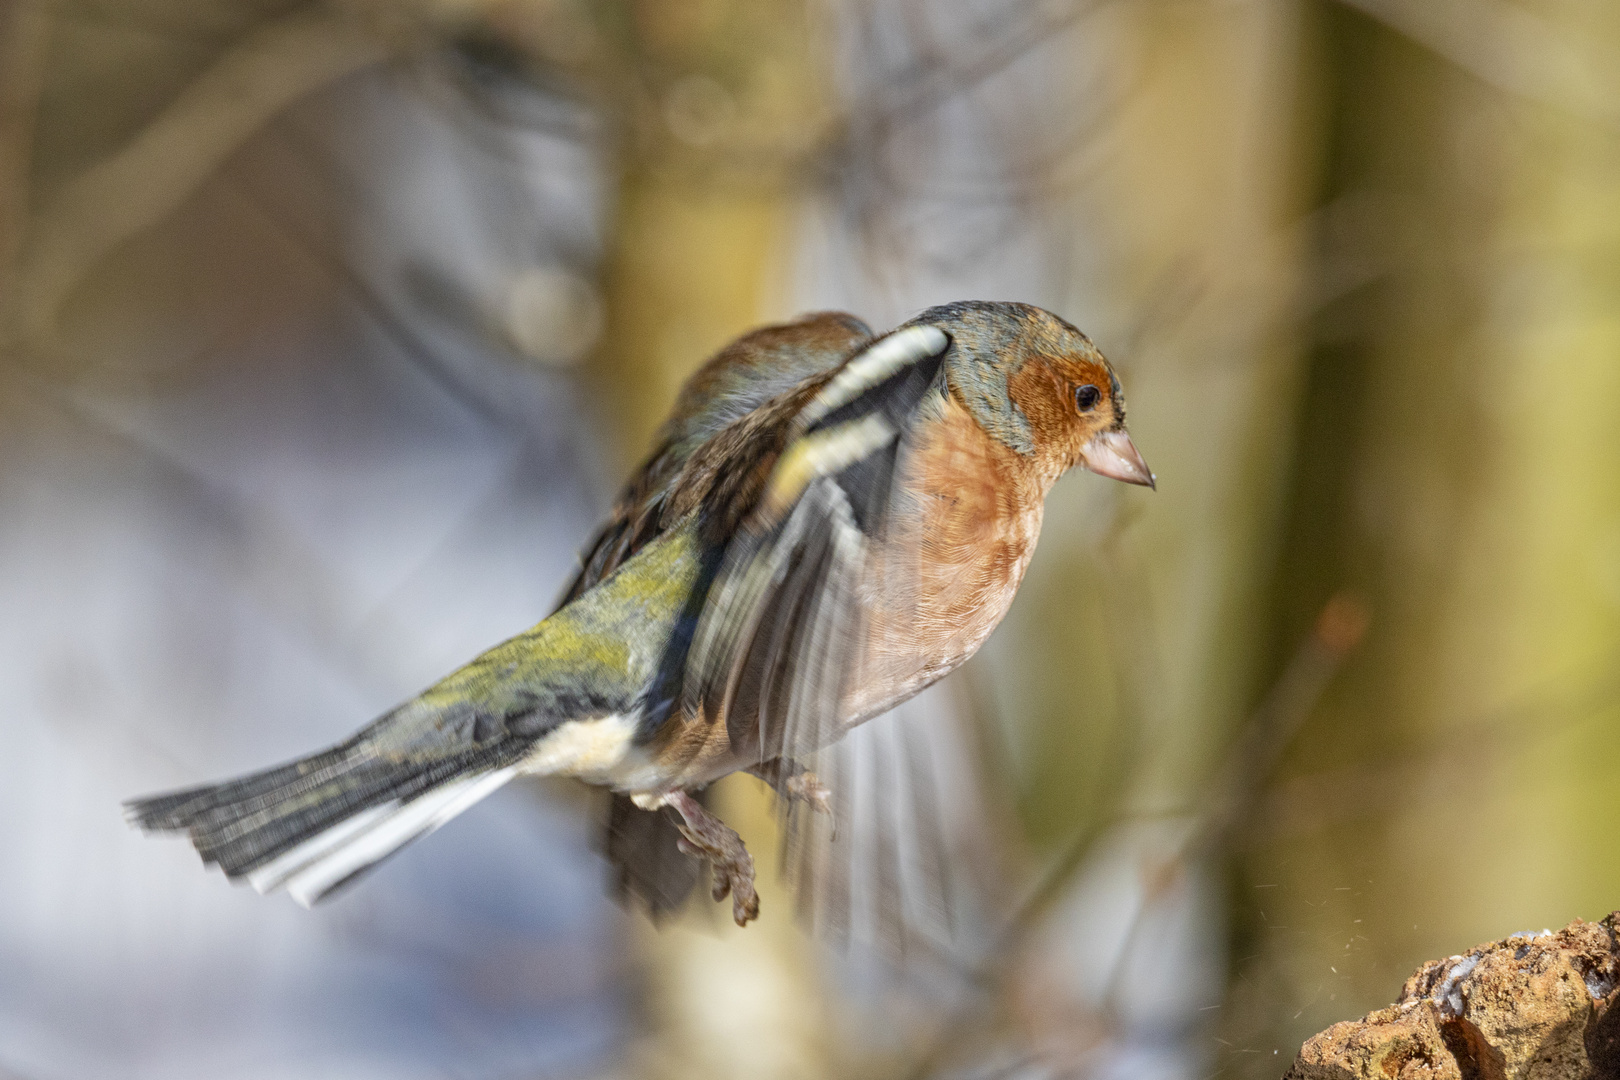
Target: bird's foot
(707, 837)
(808, 788)
(794, 782)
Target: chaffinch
(830, 523)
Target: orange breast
(957, 550)
(954, 551)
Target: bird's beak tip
(1112, 454)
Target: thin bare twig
(143, 183)
(936, 81)
(1305, 804)
(1229, 802)
(1226, 806)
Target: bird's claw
(705, 836)
(808, 788)
(794, 782)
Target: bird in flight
(830, 522)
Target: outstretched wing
(742, 377)
(781, 633)
(798, 490)
(782, 637)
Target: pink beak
(1112, 454)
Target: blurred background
(329, 328)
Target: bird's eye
(1086, 397)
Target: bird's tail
(314, 824)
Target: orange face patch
(1044, 388)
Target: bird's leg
(707, 837)
(794, 782)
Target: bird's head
(1039, 386)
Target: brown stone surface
(1404, 1044)
(1528, 1007)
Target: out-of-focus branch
(143, 183)
(1307, 804)
(935, 81)
(1510, 48)
(1240, 785)
(855, 150)
(24, 32)
(1230, 799)
(1226, 807)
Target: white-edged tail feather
(273, 874)
(328, 859)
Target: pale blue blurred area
(319, 444)
(252, 519)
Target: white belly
(600, 750)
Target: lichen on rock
(1527, 1007)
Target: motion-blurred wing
(798, 489)
(782, 635)
(742, 377)
(913, 863)
(781, 631)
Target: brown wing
(782, 633)
(741, 378)
(738, 380)
(799, 492)
(796, 493)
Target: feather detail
(382, 834)
(872, 367)
(820, 454)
